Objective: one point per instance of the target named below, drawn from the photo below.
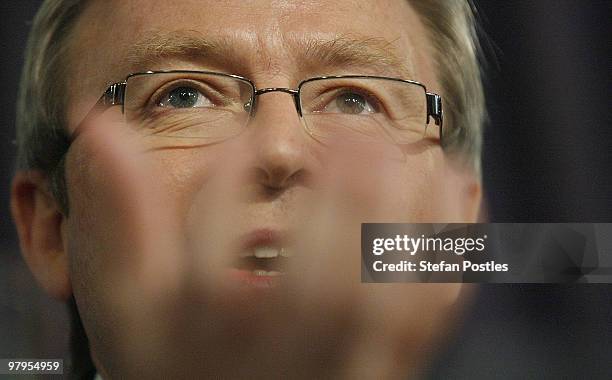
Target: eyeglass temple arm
(113, 96)
(434, 108)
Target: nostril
(276, 181)
(272, 192)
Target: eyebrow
(342, 52)
(184, 45)
(311, 54)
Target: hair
(454, 35)
(42, 139)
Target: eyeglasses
(209, 107)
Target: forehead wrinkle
(158, 48)
(270, 52)
(351, 52)
(235, 52)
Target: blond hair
(456, 51)
(42, 139)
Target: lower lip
(247, 278)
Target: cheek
(191, 178)
(102, 203)
(386, 184)
(106, 217)
(182, 175)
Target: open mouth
(263, 261)
(262, 258)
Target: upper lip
(264, 237)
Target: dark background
(547, 157)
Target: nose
(280, 142)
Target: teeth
(265, 252)
(259, 272)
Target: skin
(145, 246)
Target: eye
(184, 97)
(353, 103)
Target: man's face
(279, 180)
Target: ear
(39, 222)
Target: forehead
(258, 38)
(259, 15)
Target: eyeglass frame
(115, 94)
